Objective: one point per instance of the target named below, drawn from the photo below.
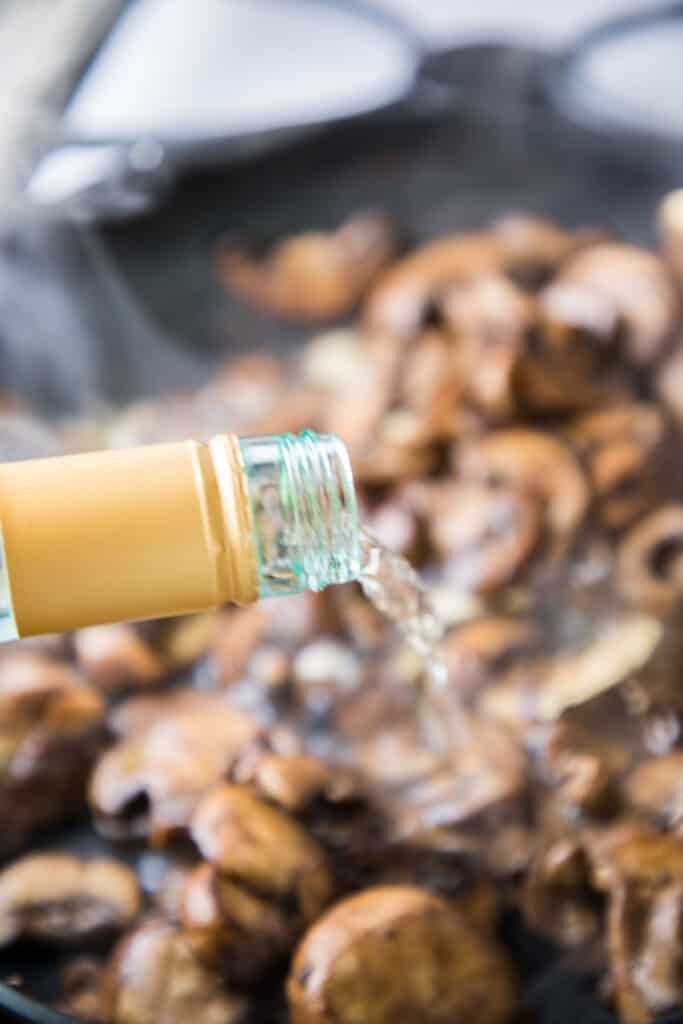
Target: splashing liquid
(392, 586)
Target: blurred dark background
(106, 282)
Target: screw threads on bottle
(304, 511)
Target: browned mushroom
(50, 731)
(545, 687)
(356, 380)
(57, 897)
(312, 276)
(570, 359)
(156, 977)
(640, 285)
(642, 872)
(116, 657)
(325, 672)
(656, 787)
(263, 848)
(476, 652)
(485, 777)
(185, 639)
(489, 319)
(396, 526)
(649, 567)
(295, 781)
(400, 302)
(82, 981)
(537, 463)
(533, 247)
(669, 383)
(580, 768)
(429, 387)
(234, 930)
(417, 403)
(484, 531)
(137, 714)
(236, 636)
(573, 314)
(670, 224)
(398, 953)
(394, 457)
(616, 444)
(150, 783)
(557, 899)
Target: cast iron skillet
(439, 166)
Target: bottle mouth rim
(324, 508)
(304, 511)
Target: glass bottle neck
(304, 511)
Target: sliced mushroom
(136, 715)
(485, 532)
(312, 276)
(669, 383)
(430, 388)
(398, 953)
(185, 639)
(642, 872)
(356, 379)
(263, 848)
(571, 358)
(60, 898)
(401, 300)
(545, 687)
(478, 652)
(156, 977)
(616, 444)
(234, 930)
(656, 788)
(486, 773)
(325, 672)
(533, 247)
(395, 457)
(574, 314)
(580, 768)
(670, 224)
(116, 657)
(295, 781)
(51, 727)
(236, 637)
(557, 900)
(82, 983)
(649, 567)
(150, 783)
(489, 319)
(640, 285)
(538, 464)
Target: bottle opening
(304, 512)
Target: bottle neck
(148, 532)
(303, 509)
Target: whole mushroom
(398, 953)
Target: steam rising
(71, 335)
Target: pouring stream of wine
(394, 588)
